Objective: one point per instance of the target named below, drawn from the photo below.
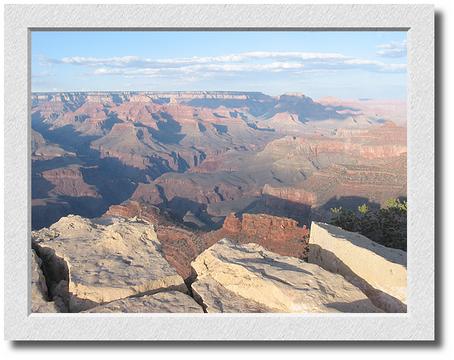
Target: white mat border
(417, 324)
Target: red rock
(278, 234)
(232, 224)
(68, 181)
(130, 209)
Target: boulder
(246, 278)
(380, 272)
(40, 302)
(162, 302)
(91, 262)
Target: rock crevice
(92, 262)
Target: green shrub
(386, 226)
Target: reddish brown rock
(181, 245)
(293, 194)
(130, 209)
(69, 181)
(278, 234)
(232, 223)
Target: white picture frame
(418, 324)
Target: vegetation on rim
(386, 225)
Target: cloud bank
(240, 63)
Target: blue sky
(349, 64)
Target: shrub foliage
(386, 225)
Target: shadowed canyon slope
(199, 156)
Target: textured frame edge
(417, 324)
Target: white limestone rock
(96, 262)
(248, 278)
(162, 302)
(381, 272)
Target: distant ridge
(160, 93)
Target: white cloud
(246, 62)
(393, 49)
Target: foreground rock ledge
(381, 272)
(162, 302)
(248, 278)
(91, 262)
(40, 303)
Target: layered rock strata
(277, 234)
(380, 272)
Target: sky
(344, 64)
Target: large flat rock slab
(102, 261)
(381, 272)
(248, 278)
(162, 302)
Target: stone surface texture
(379, 271)
(104, 260)
(246, 278)
(40, 302)
(162, 302)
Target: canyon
(200, 156)
(212, 202)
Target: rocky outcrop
(130, 209)
(91, 262)
(69, 181)
(40, 301)
(179, 245)
(236, 278)
(292, 194)
(277, 234)
(379, 271)
(162, 302)
(43, 150)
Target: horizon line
(296, 93)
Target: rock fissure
(120, 265)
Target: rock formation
(93, 262)
(68, 181)
(43, 150)
(119, 263)
(277, 234)
(134, 209)
(201, 155)
(164, 176)
(181, 245)
(40, 301)
(162, 302)
(236, 278)
(379, 271)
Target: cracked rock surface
(92, 261)
(40, 303)
(244, 278)
(162, 302)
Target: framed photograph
(219, 172)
